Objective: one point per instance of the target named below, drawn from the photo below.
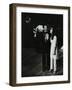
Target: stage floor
(32, 64)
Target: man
(42, 36)
(39, 28)
(38, 35)
(46, 50)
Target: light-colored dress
(53, 46)
(53, 53)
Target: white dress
(53, 53)
(53, 46)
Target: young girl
(53, 51)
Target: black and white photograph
(39, 44)
(42, 44)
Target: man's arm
(35, 31)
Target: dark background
(31, 59)
(40, 19)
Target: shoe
(51, 70)
(54, 72)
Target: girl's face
(51, 30)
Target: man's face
(46, 36)
(40, 28)
(51, 30)
(45, 28)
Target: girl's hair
(53, 33)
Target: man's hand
(34, 32)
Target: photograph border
(12, 40)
